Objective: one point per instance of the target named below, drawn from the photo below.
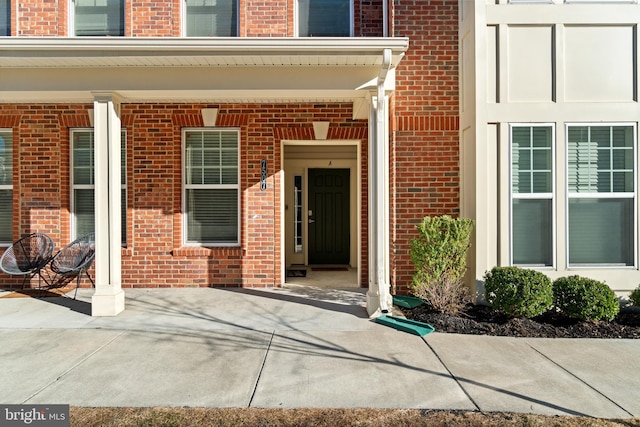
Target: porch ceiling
(194, 69)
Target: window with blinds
(211, 187)
(6, 186)
(601, 191)
(211, 18)
(325, 18)
(532, 197)
(83, 183)
(5, 17)
(98, 17)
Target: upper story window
(97, 17)
(6, 186)
(325, 18)
(5, 17)
(211, 18)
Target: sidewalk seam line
(264, 362)
(578, 378)
(452, 375)
(71, 368)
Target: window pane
(83, 211)
(6, 158)
(99, 17)
(531, 159)
(212, 215)
(532, 232)
(324, 18)
(600, 159)
(212, 18)
(6, 215)
(601, 231)
(5, 18)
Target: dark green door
(329, 216)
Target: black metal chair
(74, 260)
(28, 257)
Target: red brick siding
(154, 256)
(424, 146)
(266, 18)
(152, 18)
(38, 17)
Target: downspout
(385, 18)
(381, 177)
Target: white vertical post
(108, 299)
(379, 300)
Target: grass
(227, 417)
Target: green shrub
(584, 298)
(439, 255)
(518, 291)
(634, 297)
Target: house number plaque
(263, 174)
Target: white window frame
(74, 187)
(534, 196)
(297, 19)
(186, 186)
(183, 19)
(595, 195)
(8, 187)
(71, 23)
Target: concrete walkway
(294, 347)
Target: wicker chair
(28, 257)
(74, 260)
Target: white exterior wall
(550, 62)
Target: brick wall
(154, 255)
(424, 146)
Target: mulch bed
(481, 320)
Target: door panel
(329, 216)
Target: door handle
(312, 221)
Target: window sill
(210, 252)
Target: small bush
(439, 255)
(517, 291)
(634, 297)
(584, 298)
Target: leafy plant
(634, 297)
(584, 298)
(517, 291)
(439, 257)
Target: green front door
(328, 216)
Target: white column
(379, 299)
(108, 299)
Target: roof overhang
(44, 70)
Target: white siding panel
(530, 67)
(599, 63)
